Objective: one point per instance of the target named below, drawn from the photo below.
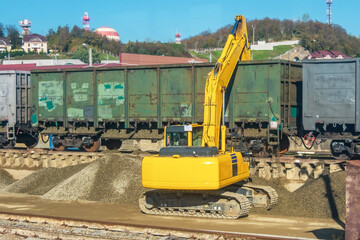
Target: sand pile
(5, 178)
(43, 180)
(114, 178)
(318, 198)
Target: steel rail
(79, 223)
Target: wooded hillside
(313, 35)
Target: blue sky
(159, 20)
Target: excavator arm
(236, 48)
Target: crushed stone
(317, 198)
(5, 178)
(114, 178)
(75, 187)
(41, 181)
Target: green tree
(76, 32)
(2, 30)
(53, 40)
(83, 54)
(14, 36)
(91, 38)
(63, 38)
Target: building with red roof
(5, 45)
(322, 54)
(34, 43)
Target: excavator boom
(236, 48)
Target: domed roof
(108, 32)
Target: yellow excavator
(194, 174)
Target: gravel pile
(41, 181)
(318, 198)
(78, 186)
(5, 179)
(113, 178)
(117, 178)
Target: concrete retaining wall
(43, 159)
(294, 169)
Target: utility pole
(90, 57)
(90, 53)
(253, 28)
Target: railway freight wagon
(82, 107)
(15, 123)
(331, 109)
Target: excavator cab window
(184, 135)
(197, 134)
(177, 139)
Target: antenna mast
(328, 12)
(25, 24)
(86, 21)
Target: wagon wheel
(113, 144)
(9, 144)
(60, 148)
(268, 149)
(341, 156)
(95, 147)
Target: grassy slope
(103, 56)
(266, 54)
(257, 55)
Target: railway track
(48, 227)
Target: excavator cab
(183, 163)
(183, 135)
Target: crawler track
(212, 204)
(269, 191)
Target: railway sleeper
(229, 203)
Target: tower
(178, 38)
(25, 24)
(86, 21)
(328, 12)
